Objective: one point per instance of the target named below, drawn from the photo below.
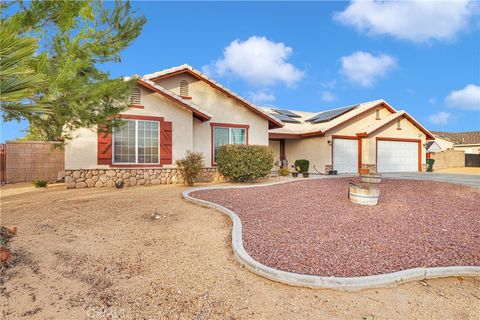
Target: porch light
(329, 142)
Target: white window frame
(136, 145)
(229, 138)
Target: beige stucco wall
(409, 131)
(81, 151)
(351, 128)
(473, 148)
(314, 149)
(319, 152)
(223, 109)
(443, 143)
(275, 146)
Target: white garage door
(397, 156)
(345, 155)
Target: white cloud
(416, 20)
(432, 100)
(330, 84)
(261, 96)
(467, 98)
(440, 118)
(327, 96)
(364, 68)
(258, 61)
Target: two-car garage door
(392, 155)
(397, 156)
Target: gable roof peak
(198, 112)
(273, 122)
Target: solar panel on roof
(329, 115)
(285, 118)
(287, 113)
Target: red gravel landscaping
(311, 227)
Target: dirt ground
(463, 170)
(97, 254)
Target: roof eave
(272, 123)
(196, 113)
(382, 103)
(402, 114)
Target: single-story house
(370, 135)
(171, 112)
(180, 109)
(465, 141)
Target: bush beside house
(244, 163)
(302, 165)
(191, 166)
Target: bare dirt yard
(462, 170)
(311, 227)
(97, 254)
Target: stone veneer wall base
(89, 178)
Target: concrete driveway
(465, 179)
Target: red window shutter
(104, 150)
(165, 142)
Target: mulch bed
(310, 226)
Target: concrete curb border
(320, 282)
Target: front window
(136, 142)
(222, 136)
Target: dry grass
(93, 252)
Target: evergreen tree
(75, 37)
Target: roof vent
(184, 88)
(135, 97)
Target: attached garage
(345, 154)
(398, 155)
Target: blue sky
(423, 57)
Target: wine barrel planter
(364, 193)
(371, 178)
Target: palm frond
(18, 79)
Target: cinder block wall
(448, 159)
(31, 160)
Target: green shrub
(244, 162)
(284, 171)
(191, 166)
(40, 183)
(302, 165)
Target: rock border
(321, 282)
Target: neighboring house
(370, 135)
(181, 109)
(469, 142)
(433, 146)
(171, 112)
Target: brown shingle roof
(470, 137)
